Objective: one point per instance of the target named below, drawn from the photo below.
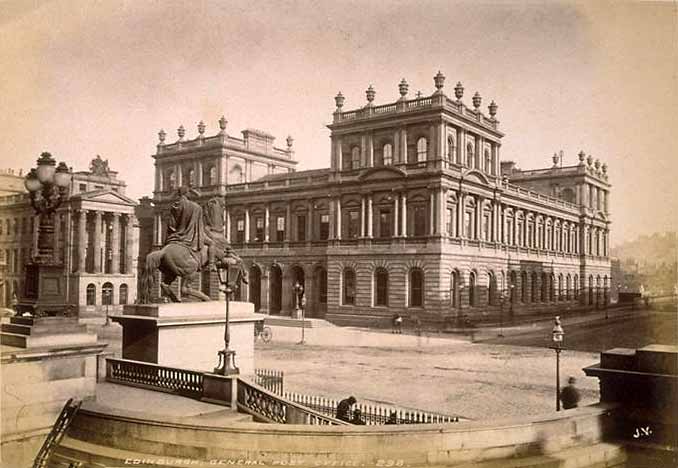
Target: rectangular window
(468, 224)
(420, 220)
(324, 226)
(82, 187)
(240, 230)
(98, 187)
(259, 229)
(385, 222)
(301, 227)
(486, 227)
(450, 221)
(353, 224)
(280, 229)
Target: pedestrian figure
(397, 323)
(417, 325)
(569, 396)
(392, 418)
(344, 408)
(358, 418)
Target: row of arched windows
(384, 155)
(188, 177)
(106, 294)
(381, 288)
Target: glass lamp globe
(31, 181)
(62, 177)
(46, 167)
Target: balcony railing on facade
(437, 101)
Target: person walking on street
(344, 408)
(569, 396)
(397, 324)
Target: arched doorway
(319, 308)
(275, 289)
(255, 287)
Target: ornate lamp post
(511, 287)
(48, 188)
(504, 295)
(298, 291)
(226, 356)
(303, 325)
(557, 336)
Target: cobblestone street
(448, 375)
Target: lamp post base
(44, 291)
(226, 364)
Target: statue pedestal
(188, 335)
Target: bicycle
(262, 331)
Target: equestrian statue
(196, 241)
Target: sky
(82, 77)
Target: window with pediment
(355, 158)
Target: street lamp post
(501, 314)
(298, 291)
(226, 356)
(107, 301)
(48, 188)
(557, 336)
(303, 324)
(511, 287)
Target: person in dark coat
(392, 418)
(569, 396)
(344, 408)
(358, 418)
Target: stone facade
(96, 239)
(416, 214)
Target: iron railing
(270, 379)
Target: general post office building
(416, 214)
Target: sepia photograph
(339, 233)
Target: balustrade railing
(155, 377)
(270, 379)
(372, 414)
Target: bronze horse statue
(196, 242)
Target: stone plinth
(188, 335)
(644, 383)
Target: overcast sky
(81, 78)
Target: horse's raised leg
(187, 289)
(165, 283)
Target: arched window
(523, 287)
(349, 287)
(560, 287)
(591, 290)
(469, 155)
(190, 177)
(568, 287)
(107, 294)
(388, 154)
(451, 148)
(355, 158)
(171, 179)
(421, 149)
(123, 294)
(381, 287)
(91, 294)
(213, 175)
(454, 289)
(322, 286)
(472, 289)
(488, 161)
(416, 288)
(576, 286)
(492, 297)
(544, 287)
(552, 287)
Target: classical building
(416, 214)
(96, 239)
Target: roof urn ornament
(290, 142)
(339, 101)
(181, 131)
(604, 168)
(439, 81)
(477, 100)
(222, 125)
(459, 91)
(555, 159)
(201, 129)
(161, 136)
(493, 109)
(582, 157)
(403, 87)
(419, 95)
(589, 160)
(597, 165)
(370, 94)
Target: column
(442, 141)
(460, 214)
(396, 147)
(431, 212)
(403, 145)
(605, 205)
(82, 240)
(403, 216)
(431, 145)
(338, 215)
(96, 250)
(115, 244)
(480, 150)
(55, 239)
(129, 245)
(267, 225)
(369, 216)
(362, 216)
(442, 208)
(363, 150)
(227, 217)
(461, 146)
(247, 224)
(180, 176)
(479, 218)
(396, 215)
(309, 221)
(333, 227)
(497, 160)
(370, 151)
(199, 175)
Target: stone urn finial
(370, 94)
(161, 136)
(201, 129)
(492, 108)
(597, 164)
(222, 124)
(439, 81)
(582, 157)
(555, 159)
(290, 142)
(604, 168)
(181, 131)
(477, 100)
(403, 87)
(459, 91)
(339, 101)
(589, 160)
